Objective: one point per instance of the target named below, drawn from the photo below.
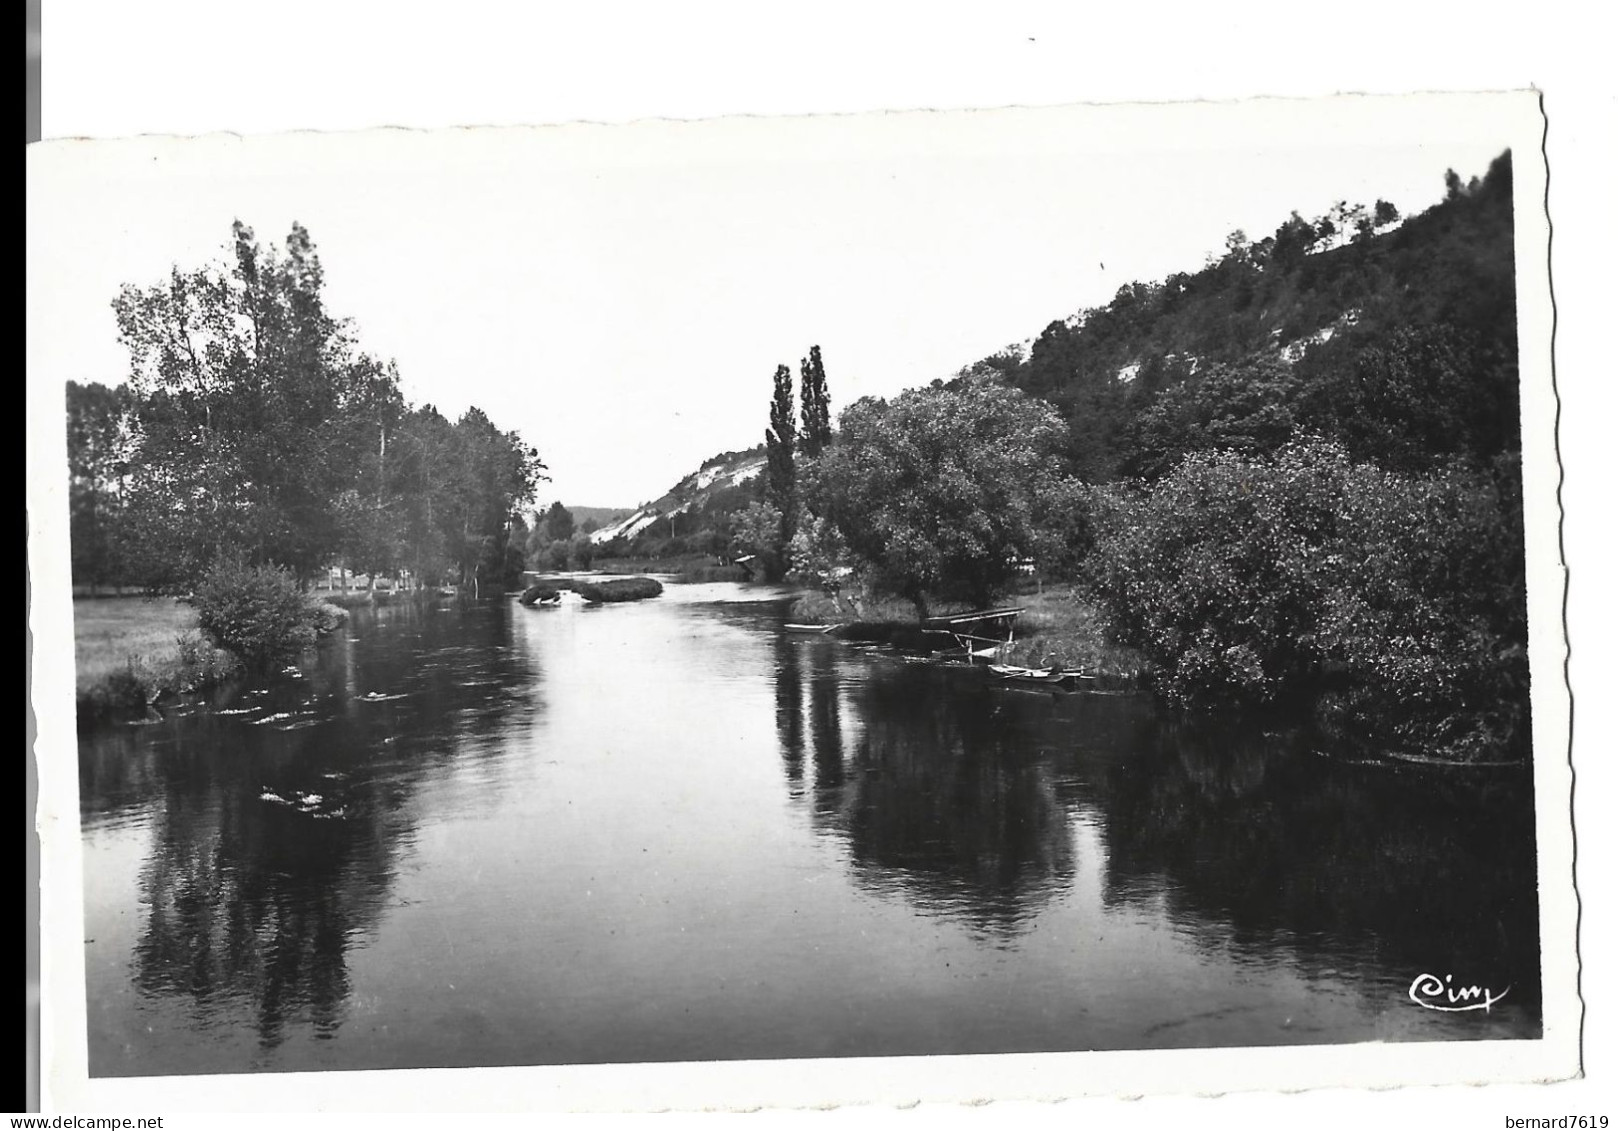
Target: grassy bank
(1060, 629)
(365, 599)
(130, 651)
(688, 570)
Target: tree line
(252, 428)
(1325, 505)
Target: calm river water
(672, 830)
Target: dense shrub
(1218, 573)
(202, 663)
(1246, 580)
(259, 613)
(940, 492)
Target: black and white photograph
(1035, 587)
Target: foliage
(1429, 611)
(1402, 336)
(780, 443)
(819, 556)
(98, 458)
(581, 552)
(1416, 396)
(816, 402)
(1244, 408)
(1250, 579)
(259, 612)
(256, 428)
(558, 523)
(756, 530)
(939, 492)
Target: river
(489, 835)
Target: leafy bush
(1219, 572)
(202, 662)
(259, 613)
(1246, 580)
(328, 616)
(940, 491)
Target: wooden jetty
(981, 634)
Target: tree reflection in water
(936, 800)
(1256, 835)
(789, 711)
(277, 842)
(958, 796)
(251, 905)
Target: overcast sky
(621, 295)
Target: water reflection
(251, 906)
(963, 799)
(500, 836)
(789, 711)
(937, 800)
(1250, 836)
(280, 815)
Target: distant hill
(601, 515)
(693, 516)
(1343, 323)
(1395, 335)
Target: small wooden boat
(1041, 677)
(809, 627)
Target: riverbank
(130, 652)
(689, 570)
(367, 598)
(1056, 628)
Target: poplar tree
(816, 406)
(780, 444)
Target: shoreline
(134, 653)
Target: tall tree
(941, 490)
(371, 507)
(424, 453)
(780, 445)
(559, 525)
(97, 459)
(492, 474)
(816, 405)
(248, 392)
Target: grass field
(108, 631)
(129, 651)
